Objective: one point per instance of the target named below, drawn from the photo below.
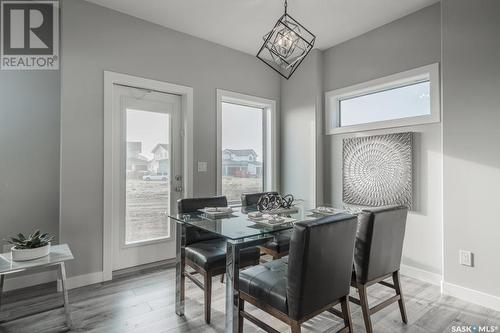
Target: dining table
(239, 231)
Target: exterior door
(149, 174)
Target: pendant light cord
(286, 5)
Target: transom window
(403, 99)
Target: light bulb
(286, 42)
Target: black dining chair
(312, 279)
(377, 256)
(277, 247)
(205, 252)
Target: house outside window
(159, 165)
(241, 163)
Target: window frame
(269, 131)
(426, 73)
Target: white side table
(58, 255)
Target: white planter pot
(30, 254)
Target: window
(408, 98)
(246, 145)
(147, 188)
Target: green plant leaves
(34, 240)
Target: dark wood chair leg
(208, 296)
(401, 301)
(295, 326)
(222, 278)
(241, 308)
(363, 299)
(346, 313)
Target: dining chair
(314, 278)
(252, 199)
(277, 247)
(205, 252)
(377, 256)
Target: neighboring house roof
(160, 145)
(142, 157)
(240, 163)
(241, 152)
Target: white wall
(29, 150)
(407, 43)
(301, 108)
(471, 136)
(95, 39)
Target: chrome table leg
(232, 288)
(67, 309)
(180, 244)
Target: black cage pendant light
(286, 46)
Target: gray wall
(29, 150)
(301, 98)
(407, 43)
(471, 133)
(95, 39)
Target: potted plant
(34, 246)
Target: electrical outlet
(466, 258)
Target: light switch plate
(202, 166)
(466, 258)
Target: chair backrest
(251, 199)
(319, 263)
(191, 205)
(379, 242)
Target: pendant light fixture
(286, 45)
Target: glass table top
(58, 253)
(238, 226)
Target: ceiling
(240, 24)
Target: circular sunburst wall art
(377, 170)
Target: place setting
(274, 210)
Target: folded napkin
(273, 218)
(254, 214)
(326, 209)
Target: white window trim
(333, 98)
(111, 213)
(271, 166)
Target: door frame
(110, 211)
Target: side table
(58, 255)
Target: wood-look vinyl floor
(143, 302)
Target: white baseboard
(84, 280)
(24, 280)
(471, 295)
(18, 281)
(421, 275)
